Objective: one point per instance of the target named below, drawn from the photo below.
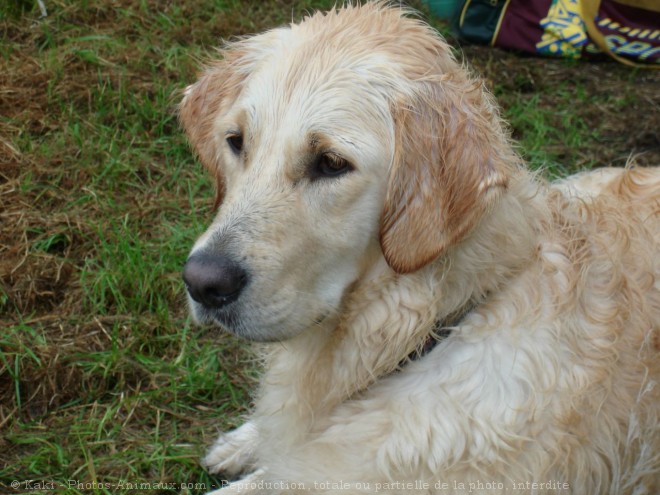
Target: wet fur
(553, 373)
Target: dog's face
(333, 144)
(304, 183)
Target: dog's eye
(235, 142)
(330, 165)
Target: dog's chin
(261, 334)
(227, 320)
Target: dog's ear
(450, 166)
(198, 110)
(218, 87)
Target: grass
(103, 379)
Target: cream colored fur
(551, 377)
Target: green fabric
(479, 19)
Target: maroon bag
(627, 30)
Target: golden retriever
(371, 204)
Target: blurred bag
(627, 30)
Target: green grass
(103, 378)
(542, 125)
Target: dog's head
(351, 137)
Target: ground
(104, 381)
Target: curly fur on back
(549, 383)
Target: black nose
(213, 280)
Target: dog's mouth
(228, 319)
(225, 318)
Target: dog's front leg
(233, 452)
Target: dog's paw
(233, 452)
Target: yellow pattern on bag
(564, 30)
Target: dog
(433, 316)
